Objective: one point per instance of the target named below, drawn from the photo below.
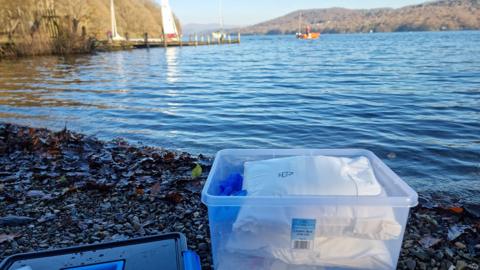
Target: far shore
(353, 33)
(8, 51)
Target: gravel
(61, 189)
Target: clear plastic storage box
(305, 209)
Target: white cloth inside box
(360, 231)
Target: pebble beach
(61, 189)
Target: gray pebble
(35, 194)
(461, 265)
(411, 264)
(202, 247)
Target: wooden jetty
(193, 40)
(49, 22)
(170, 36)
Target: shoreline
(8, 51)
(68, 189)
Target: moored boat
(313, 35)
(220, 34)
(308, 33)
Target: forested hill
(133, 16)
(430, 16)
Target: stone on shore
(61, 189)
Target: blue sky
(246, 12)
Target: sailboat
(308, 33)
(219, 35)
(114, 32)
(170, 30)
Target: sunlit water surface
(412, 98)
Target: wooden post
(165, 40)
(145, 39)
(75, 23)
(229, 39)
(208, 40)
(238, 37)
(181, 40)
(84, 32)
(196, 40)
(52, 23)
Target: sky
(247, 12)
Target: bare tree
(77, 10)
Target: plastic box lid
(167, 251)
(397, 192)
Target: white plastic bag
(310, 175)
(358, 232)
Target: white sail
(115, 35)
(168, 21)
(219, 35)
(220, 10)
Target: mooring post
(180, 39)
(84, 32)
(196, 40)
(208, 40)
(145, 39)
(229, 39)
(238, 38)
(165, 44)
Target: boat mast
(300, 23)
(114, 21)
(220, 11)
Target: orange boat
(313, 35)
(308, 33)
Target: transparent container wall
(232, 161)
(228, 164)
(256, 233)
(345, 237)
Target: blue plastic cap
(191, 261)
(231, 185)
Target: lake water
(412, 98)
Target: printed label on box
(303, 233)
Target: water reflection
(420, 104)
(171, 55)
(40, 82)
(118, 70)
(171, 62)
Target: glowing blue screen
(102, 266)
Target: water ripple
(416, 95)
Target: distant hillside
(430, 16)
(133, 16)
(39, 27)
(199, 28)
